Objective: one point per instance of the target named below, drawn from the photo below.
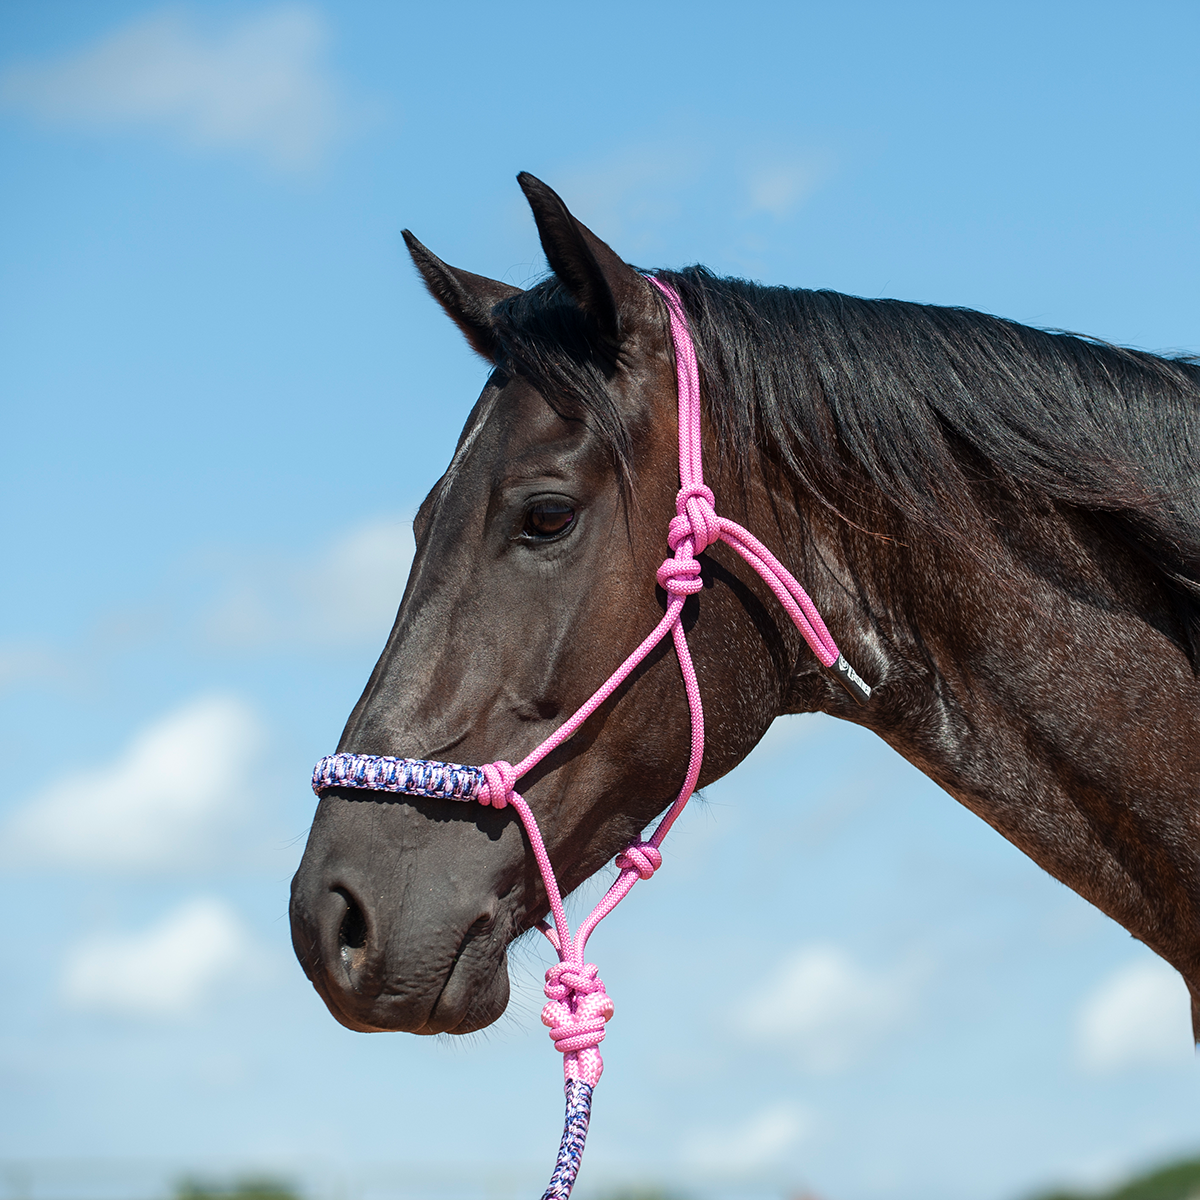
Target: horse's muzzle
(423, 953)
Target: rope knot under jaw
(644, 857)
(499, 778)
(577, 1011)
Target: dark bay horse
(1000, 526)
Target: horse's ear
(468, 299)
(602, 284)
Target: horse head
(534, 577)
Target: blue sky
(225, 392)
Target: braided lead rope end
(570, 1151)
(576, 1012)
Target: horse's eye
(548, 518)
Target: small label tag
(852, 681)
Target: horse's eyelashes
(548, 519)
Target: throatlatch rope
(578, 1008)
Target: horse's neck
(1050, 695)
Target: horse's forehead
(512, 430)
(516, 422)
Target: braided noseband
(577, 1007)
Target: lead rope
(578, 1008)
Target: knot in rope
(578, 1007)
(694, 528)
(644, 857)
(566, 977)
(697, 518)
(680, 576)
(499, 778)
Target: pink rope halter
(578, 1007)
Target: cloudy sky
(225, 393)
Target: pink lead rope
(577, 1007)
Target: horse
(1000, 524)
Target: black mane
(920, 402)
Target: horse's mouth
(464, 1005)
(476, 990)
(365, 992)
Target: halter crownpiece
(578, 1008)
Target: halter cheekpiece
(578, 1007)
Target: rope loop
(566, 977)
(644, 857)
(499, 778)
(680, 576)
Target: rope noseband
(578, 1007)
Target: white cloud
(628, 195)
(1140, 1016)
(155, 806)
(167, 970)
(778, 186)
(346, 592)
(826, 1009)
(257, 84)
(636, 197)
(755, 1142)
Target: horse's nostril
(352, 934)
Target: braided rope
(578, 1008)
(410, 776)
(574, 1138)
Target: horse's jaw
(424, 953)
